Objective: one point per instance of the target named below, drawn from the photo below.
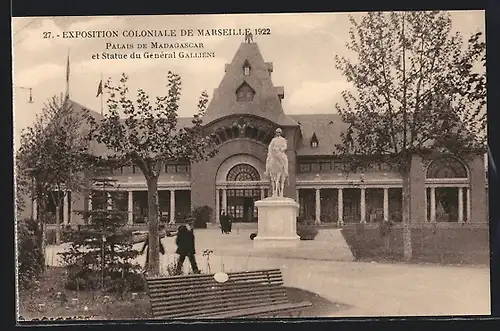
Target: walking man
(186, 248)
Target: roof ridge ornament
(248, 37)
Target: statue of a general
(277, 163)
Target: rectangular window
(338, 166)
(326, 166)
(182, 168)
(305, 167)
(239, 212)
(170, 168)
(315, 167)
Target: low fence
(446, 243)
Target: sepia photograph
(248, 166)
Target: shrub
(101, 254)
(450, 243)
(201, 216)
(30, 259)
(307, 230)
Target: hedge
(446, 244)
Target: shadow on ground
(321, 307)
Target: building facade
(244, 111)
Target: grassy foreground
(50, 299)
(45, 302)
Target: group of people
(225, 223)
(185, 247)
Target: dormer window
(245, 93)
(314, 141)
(246, 68)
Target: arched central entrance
(241, 200)
(239, 185)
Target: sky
(301, 46)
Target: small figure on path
(224, 222)
(229, 223)
(277, 163)
(186, 248)
(146, 244)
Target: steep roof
(327, 128)
(101, 149)
(266, 101)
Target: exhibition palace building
(244, 111)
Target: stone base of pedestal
(277, 223)
(275, 242)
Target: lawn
(50, 300)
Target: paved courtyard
(326, 267)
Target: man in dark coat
(224, 222)
(144, 248)
(185, 248)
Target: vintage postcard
(283, 165)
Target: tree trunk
(42, 220)
(407, 250)
(153, 267)
(58, 221)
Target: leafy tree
(148, 136)
(52, 153)
(417, 88)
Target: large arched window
(243, 172)
(448, 191)
(446, 167)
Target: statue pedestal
(277, 223)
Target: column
(65, 208)
(460, 205)
(90, 201)
(34, 209)
(172, 206)
(433, 204)
(297, 195)
(468, 205)
(318, 206)
(262, 194)
(386, 204)
(363, 205)
(224, 200)
(340, 207)
(217, 206)
(130, 207)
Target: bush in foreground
(29, 254)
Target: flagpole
(102, 102)
(67, 76)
